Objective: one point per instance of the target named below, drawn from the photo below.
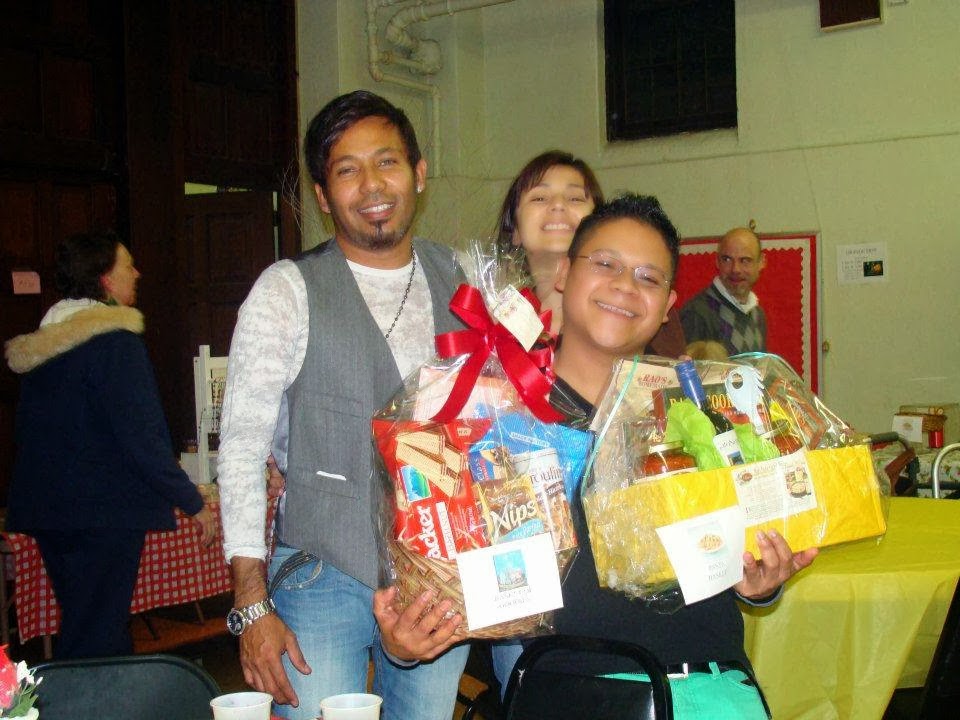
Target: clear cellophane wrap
(818, 487)
(486, 473)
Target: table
(863, 620)
(174, 569)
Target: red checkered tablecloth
(174, 569)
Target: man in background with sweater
(727, 310)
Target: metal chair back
(145, 687)
(536, 691)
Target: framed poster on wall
(788, 290)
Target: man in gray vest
(321, 343)
(727, 310)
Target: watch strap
(252, 613)
(256, 611)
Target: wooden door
(227, 241)
(60, 155)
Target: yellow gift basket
(797, 468)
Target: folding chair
(902, 471)
(535, 693)
(145, 687)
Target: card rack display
(209, 379)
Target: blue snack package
(552, 456)
(520, 433)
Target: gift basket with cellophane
(476, 476)
(677, 490)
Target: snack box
(436, 510)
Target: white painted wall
(855, 134)
(332, 57)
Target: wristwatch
(239, 619)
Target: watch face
(235, 622)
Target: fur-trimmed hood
(26, 352)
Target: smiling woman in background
(540, 213)
(542, 209)
(95, 468)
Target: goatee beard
(379, 239)
(376, 236)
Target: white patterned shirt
(266, 354)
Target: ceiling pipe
(426, 53)
(422, 57)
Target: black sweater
(709, 630)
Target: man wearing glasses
(727, 310)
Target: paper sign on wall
(25, 282)
(862, 263)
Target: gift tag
(706, 552)
(509, 581)
(744, 387)
(517, 315)
(25, 282)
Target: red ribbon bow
(524, 369)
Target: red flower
(8, 679)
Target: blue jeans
(331, 614)
(505, 654)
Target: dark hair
(339, 115)
(644, 209)
(531, 174)
(81, 260)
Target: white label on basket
(774, 490)
(706, 552)
(509, 581)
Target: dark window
(670, 66)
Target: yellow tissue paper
(623, 523)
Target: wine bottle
(725, 439)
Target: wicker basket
(416, 573)
(930, 422)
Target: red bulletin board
(788, 290)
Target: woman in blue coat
(94, 469)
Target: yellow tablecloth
(863, 620)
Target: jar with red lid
(662, 461)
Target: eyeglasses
(645, 276)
